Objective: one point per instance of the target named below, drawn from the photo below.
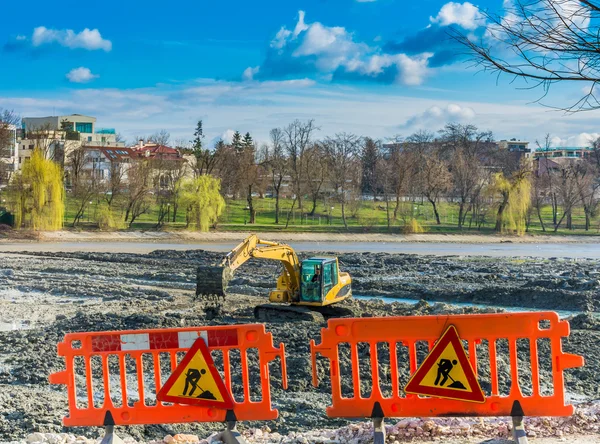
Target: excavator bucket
(212, 281)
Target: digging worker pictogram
(192, 377)
(445, 366)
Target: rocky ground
(47, 295)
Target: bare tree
(402, 172)
(546, 169)
(551, 41)
(371, 152)
(342, 154)
(161, 137)
(435, 181)
(539, 192)
(385, 182)
(587, 182)
(138, 196)
(568, 194)
(45, 139)
(84, 182)
(315, 173)
(276, 163)
(297, 138)
(464, 147)
(115, 183)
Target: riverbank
(191, 237)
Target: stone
(35, 437)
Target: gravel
(47, 295)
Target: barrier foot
(231, 435)
(519, 434)
(378, 424)
(110, 437)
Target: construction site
(45, 295)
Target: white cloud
(437, 116)
(89, 39)
(331, 49)
(413, 70)
(464, 14)
(227, 136)
(81, 75)
(281, 37)
(301, 25)
(250, 72)
(582, 139)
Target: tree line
(459, 165)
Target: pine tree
(197, 143)
(236, 142)
(248, 142)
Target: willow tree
(201, 197)
(515, 200)
(37, 194)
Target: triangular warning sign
(446, 372)
(196, 381)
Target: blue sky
(377, 68)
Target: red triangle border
(201, 346)
(414, 386)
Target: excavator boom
(213, 280)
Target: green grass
(367, 216)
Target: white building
(58, 136)
(9, 155)
(103, 162)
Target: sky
(378, 68)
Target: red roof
(157, 151)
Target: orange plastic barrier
(408, 338)
(113, 377)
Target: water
(544, 250)
(14, 325)
(561, 313)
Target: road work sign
(196, 381)
(446, 372)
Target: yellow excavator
(304, 289)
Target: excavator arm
(212, 281)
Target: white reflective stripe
(139, 341)
(187, 338)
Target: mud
(50, 294)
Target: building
(564, 152)
(155, 151)
(515, 146)
(58, 136)
(103, 162)
(9, 155)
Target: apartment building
(103, 162)
(564, 152)
(9, 154)
(58, 136)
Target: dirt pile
(53, 294)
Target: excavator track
(287, 313)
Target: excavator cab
(319, 276)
